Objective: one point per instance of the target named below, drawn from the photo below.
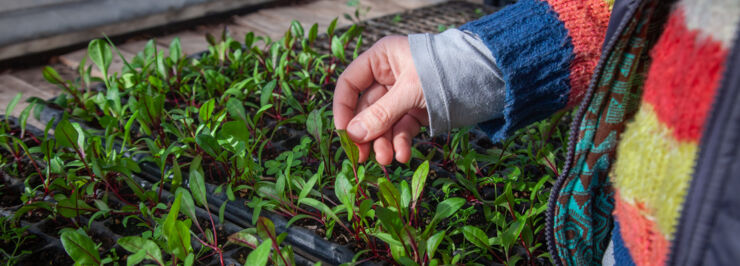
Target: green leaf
(249, 40)
(313, 32)
(236, 129)
(206, 110)
(80, 247)
(260, 255)
(66, 135)
(141, 248)
(11, 105)
(197, 183)
(51, 75)
(405, 194)
(390, 220)
(265, 228)
(311, 182)
(245, 238)
(337, 48)
(175, 50)
(320, 206)
(101, 55)
(314, 124)
(296, 29)
(208, 144)
(345, 193)
(72, 207)
(266, 93)
(433, 243)
(388, 239)
(447, 208)
(236, 109)
(350, 148)
(177, 232)
(332, 26)
(476, 236)
(512, 233)
(187, 206)
(389, 194)
(358, 46)
(418, 181)
(161, 67)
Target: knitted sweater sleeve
(546, 51)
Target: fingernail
(357, 130)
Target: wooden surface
(46, 43)
(271, 22)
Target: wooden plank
(74, 59)
(412, 4)
(381, 7)
(10, 86)
(34, 77)
(136, 46)
(265, 23)
(190, 41)
(239, 31)
(170, 16)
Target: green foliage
(250, 119)
(12, 238)
(80, 247)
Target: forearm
(541, 55)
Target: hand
(391, 109)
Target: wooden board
(170, 16)
(10, 86)
(34, 77)
(74, 59)
(272, 27)
(136, 46)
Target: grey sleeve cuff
(462, 84)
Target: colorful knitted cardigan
(644, 97)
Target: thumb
(383, 114)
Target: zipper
(575, 125)
(712, 169)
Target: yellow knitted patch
(609, 3)
(653, 168)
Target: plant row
(172, 147)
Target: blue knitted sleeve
(533, 50)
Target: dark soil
(9, 196)
(131, 227)
(31, 243)
(54, 255)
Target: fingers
(383, 149)
(370, 96)
(380, 116)
(370, 67)
(403, 132)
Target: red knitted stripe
(641, 236)
(586, 22)
(683, 77)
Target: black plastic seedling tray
(45, 236)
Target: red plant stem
(521, 240)
(276, 247)
(357, 179)
(75, 94)
(552, 167)
(38, 170)
(373, 245)
(413, 246)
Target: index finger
(371, 66)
